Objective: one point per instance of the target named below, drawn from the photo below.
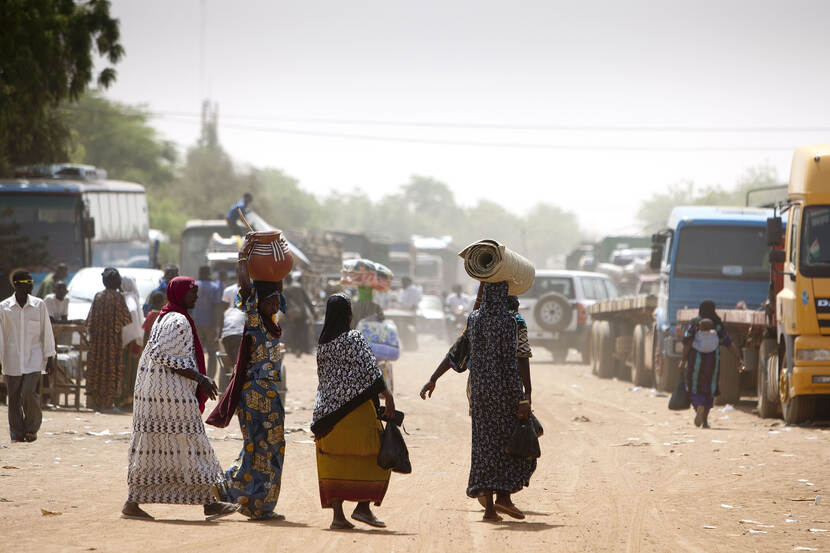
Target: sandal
(29, 437)
(373, 521)
(345, 525)
(510, 510)
(221, 509)
(137, 514)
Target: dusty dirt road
(618, 472)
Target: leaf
(46, 513)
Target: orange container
(269, 259)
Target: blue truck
(716, 253)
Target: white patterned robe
(170, 457)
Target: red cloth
(176, 291)
(226, 407)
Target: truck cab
(802, 363)
(715, 253)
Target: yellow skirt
(347, 467)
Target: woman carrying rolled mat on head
(255, 477)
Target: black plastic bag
(680, 400)
(537, 426)
(523, 442)
(393, 453)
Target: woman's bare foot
(132, 510)
(490, 514)
(338, 521)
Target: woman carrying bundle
(254, 479)
(344, 423)
(500, 393)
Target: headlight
(812, 355)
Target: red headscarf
(176, 291)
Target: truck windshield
(40, 230)
(815, 241)
(723, 252)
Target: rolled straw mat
(489, 261)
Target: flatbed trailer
(622, 334)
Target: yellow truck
(788, 345)
(798, 372)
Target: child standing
(701, 359)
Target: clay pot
(269, 259)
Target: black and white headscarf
(347, 371)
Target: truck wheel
(767, 404)
(639, 375)
(606, 366)
(553, 312)
(666, 372)
(796, 409)
(592, 345)
(729, 381)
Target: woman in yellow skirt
(345, 422)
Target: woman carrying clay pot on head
(254, 479)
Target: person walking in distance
(27, 347)
(205, 315)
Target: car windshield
(87, 282)
(543, 285)
(431, 303)
(44, 228)
(722, 252)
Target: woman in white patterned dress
(170, 457)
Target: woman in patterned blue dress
(254, 479)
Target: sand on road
(618, 472)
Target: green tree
(120, 139)
(46, 58)
(654, 212)
(549, 231)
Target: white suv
(556, 309)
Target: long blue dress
(255, 477)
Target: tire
(664, 379)
(640, 376)
(592, 345)
(796, 409)
(553, 312)
(606, 364)
(767, 404)
(729, 381)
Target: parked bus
(71, 214)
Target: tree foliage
(46, 58)
(654, 212)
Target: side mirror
(774, 231)
(656, 256)
(89, 227)
(777, 256)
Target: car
(556, 309)
(87, 282)
(431, 317)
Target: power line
(496, 126)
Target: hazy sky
(591, 105)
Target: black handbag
(537, 426)
(523, 442)
(393, 453)
(680, 400)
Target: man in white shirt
(457, 300)
(27, 347)
(410, 295)
(57, 304)
(233, 322)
